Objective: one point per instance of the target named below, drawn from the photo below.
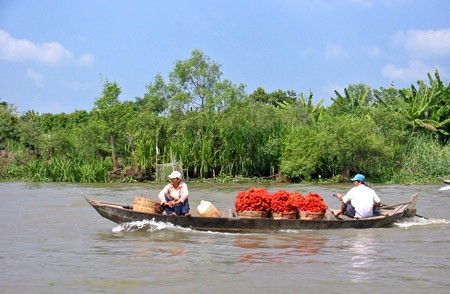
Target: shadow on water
(279, 249)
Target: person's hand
(338, 196)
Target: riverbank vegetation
(218, 131)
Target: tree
(353, 143)
(259, 95)
(157, 96)
(304, 110)
(8, 123)
(194, 81)
(337, 145)
(112, 117)
(30, 131)
(356, 99)
(277, 98)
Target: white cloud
(37, 77)
(420, 45)
(335, 51)
(16, 50)
(427, 43)
(416, 70)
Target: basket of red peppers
(253, 203)
(312, 207)
(259, 203)
(283, 204)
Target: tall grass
(424, 159)
(68, 170)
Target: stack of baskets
(309, 215)
(284, 215)
(142, 204)
(252, 214)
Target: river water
(52, 241)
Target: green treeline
(217, 130)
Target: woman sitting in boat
(359, 202)
(174, 196)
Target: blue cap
(359, 177)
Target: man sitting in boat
(174, 196)
(359, 202)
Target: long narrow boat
(384, 217)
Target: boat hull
(119, 213)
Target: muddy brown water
(52, 241)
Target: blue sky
(54, 55)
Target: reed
(68, 170)
(424, 159)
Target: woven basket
(142, 204)
(252, 214)
(284, 215)
(310, 215)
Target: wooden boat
(384, 217)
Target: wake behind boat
(447, 187)
(384, 217)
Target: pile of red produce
(283, 201)
(313, 202)
(254, 199)
(259, 199)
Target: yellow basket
(252, 214)
(142, 204)
(310, 215)
(284, 215)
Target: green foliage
(253, 144)
(277, 98)
(112, 118)
(194, 81)
(356, 99)
(424, 159)
(8, 123)
(216, 130)
(343, 144)
(68, 170)
(426, 108)
(157, 96)
(302, 155)
(303, 111)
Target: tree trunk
(346, 172)
(113, 153)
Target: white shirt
(362, 199)
(180, 193)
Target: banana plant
(424, 107)
(316, 112)
(355, 97)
